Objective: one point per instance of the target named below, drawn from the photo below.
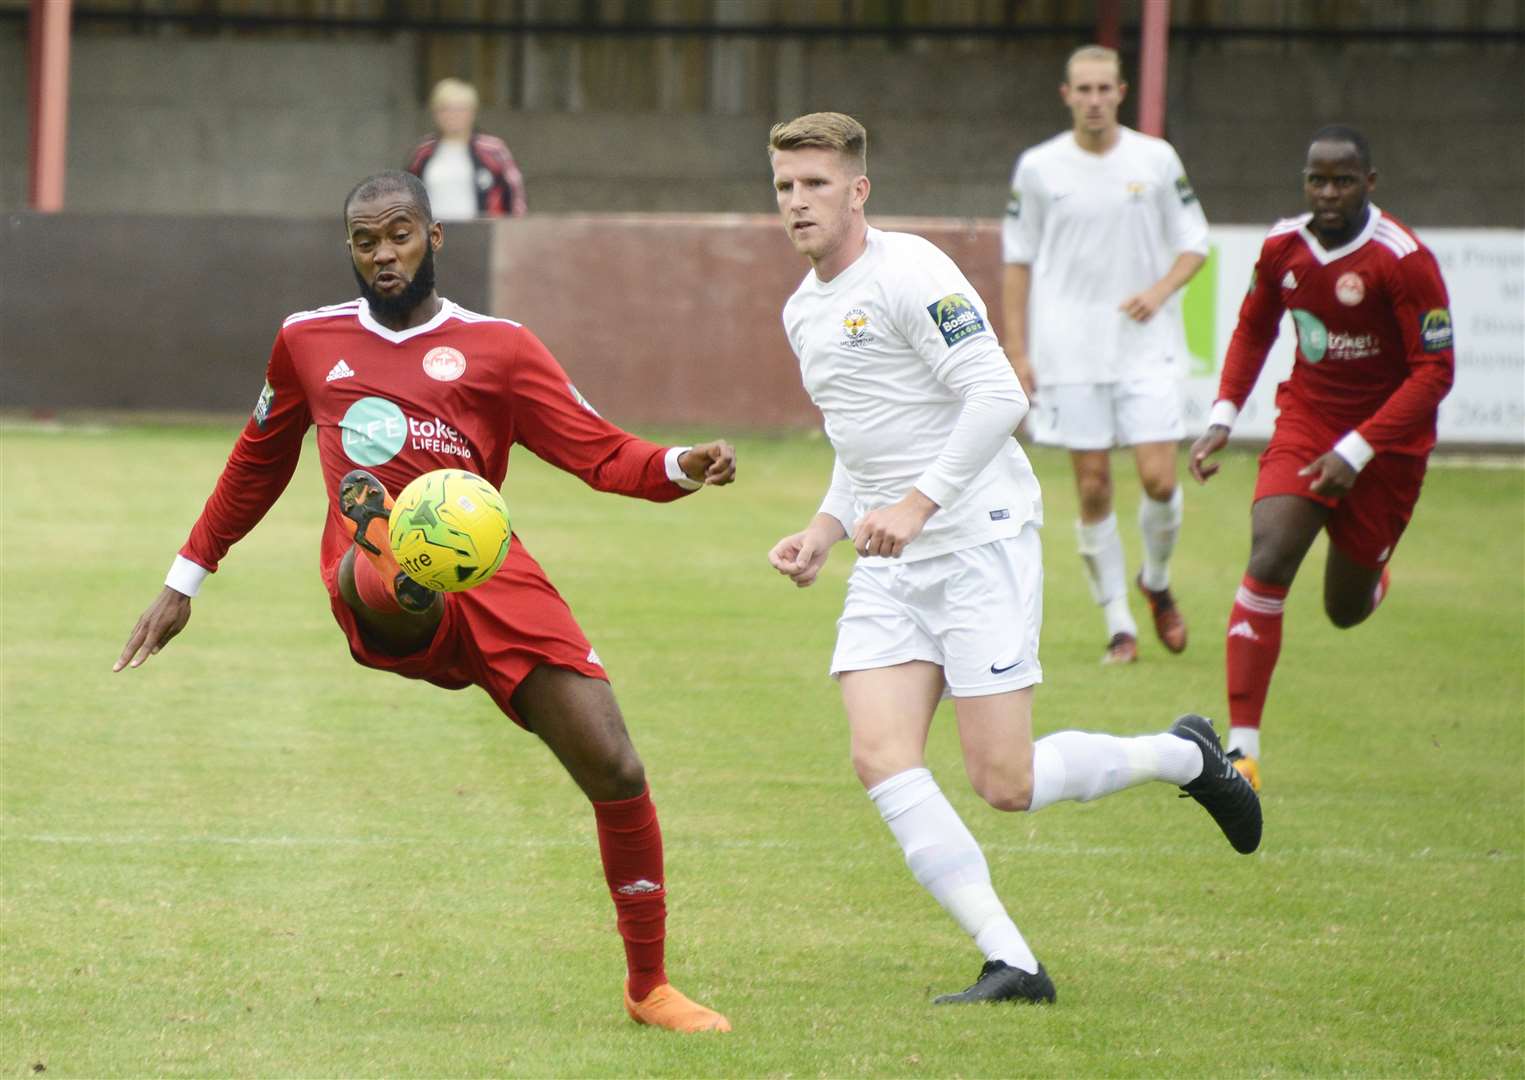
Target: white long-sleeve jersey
(897, 353)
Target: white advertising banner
(1484, 270)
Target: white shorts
(1099, 416)
(975, 612)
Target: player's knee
(1011, 800)
(1270, 565)
(622, 776)
(1160, 488)
(876, 763)
(1095, 500)
(1011, 793)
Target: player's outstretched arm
(800, 556)
(712, 463)
(1212, 440)
(165, 618)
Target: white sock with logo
(1101, 550)
(1080, 766)
(944, 856)
(1159, 523)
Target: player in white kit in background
(943, 509)
(1101, 233)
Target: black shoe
(999, 981)
(411, 596)
(1221, 790)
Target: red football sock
(1254, 643)
(630, 841)
(375, 593)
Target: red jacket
(500, 184)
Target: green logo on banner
(374, 430)
(1312, 336)
(1199, 310)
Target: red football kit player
(1356, 418)
(402, 382)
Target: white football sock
(1101, 550)
(1159, 523)
(1246, 740)
(1081, 765)
(944, 856)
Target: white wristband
(185, 577)
(1223, 414)
(675, 472)
(1355, 450)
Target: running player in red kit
(1356, 419)
(401, 382)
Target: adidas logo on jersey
(1243, 629)
(1288, 281)
(341, 370)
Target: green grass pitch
(254, 858)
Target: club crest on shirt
(956, 317)
(444, 364)
(1435, 329)
(1136, 189)
(263, 406)
(855, 329)
(1350, 289)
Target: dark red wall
(677, 320)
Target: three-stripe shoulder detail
(1395, 239)
(347, 309)
(477, 317)
(1288, 225)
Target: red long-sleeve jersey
(1374, 349)
(456, 392)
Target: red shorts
(1367, 522)
(491, 636)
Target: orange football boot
(1121, 649)
(666, 1007)
(365, 506)
(1169, 623)
(1248, 768)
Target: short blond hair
(823, 131)
(1094, 52)
(453, 91)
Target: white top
(897, 353)
(1097, 229)
(450, 178)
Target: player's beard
(413, 294)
